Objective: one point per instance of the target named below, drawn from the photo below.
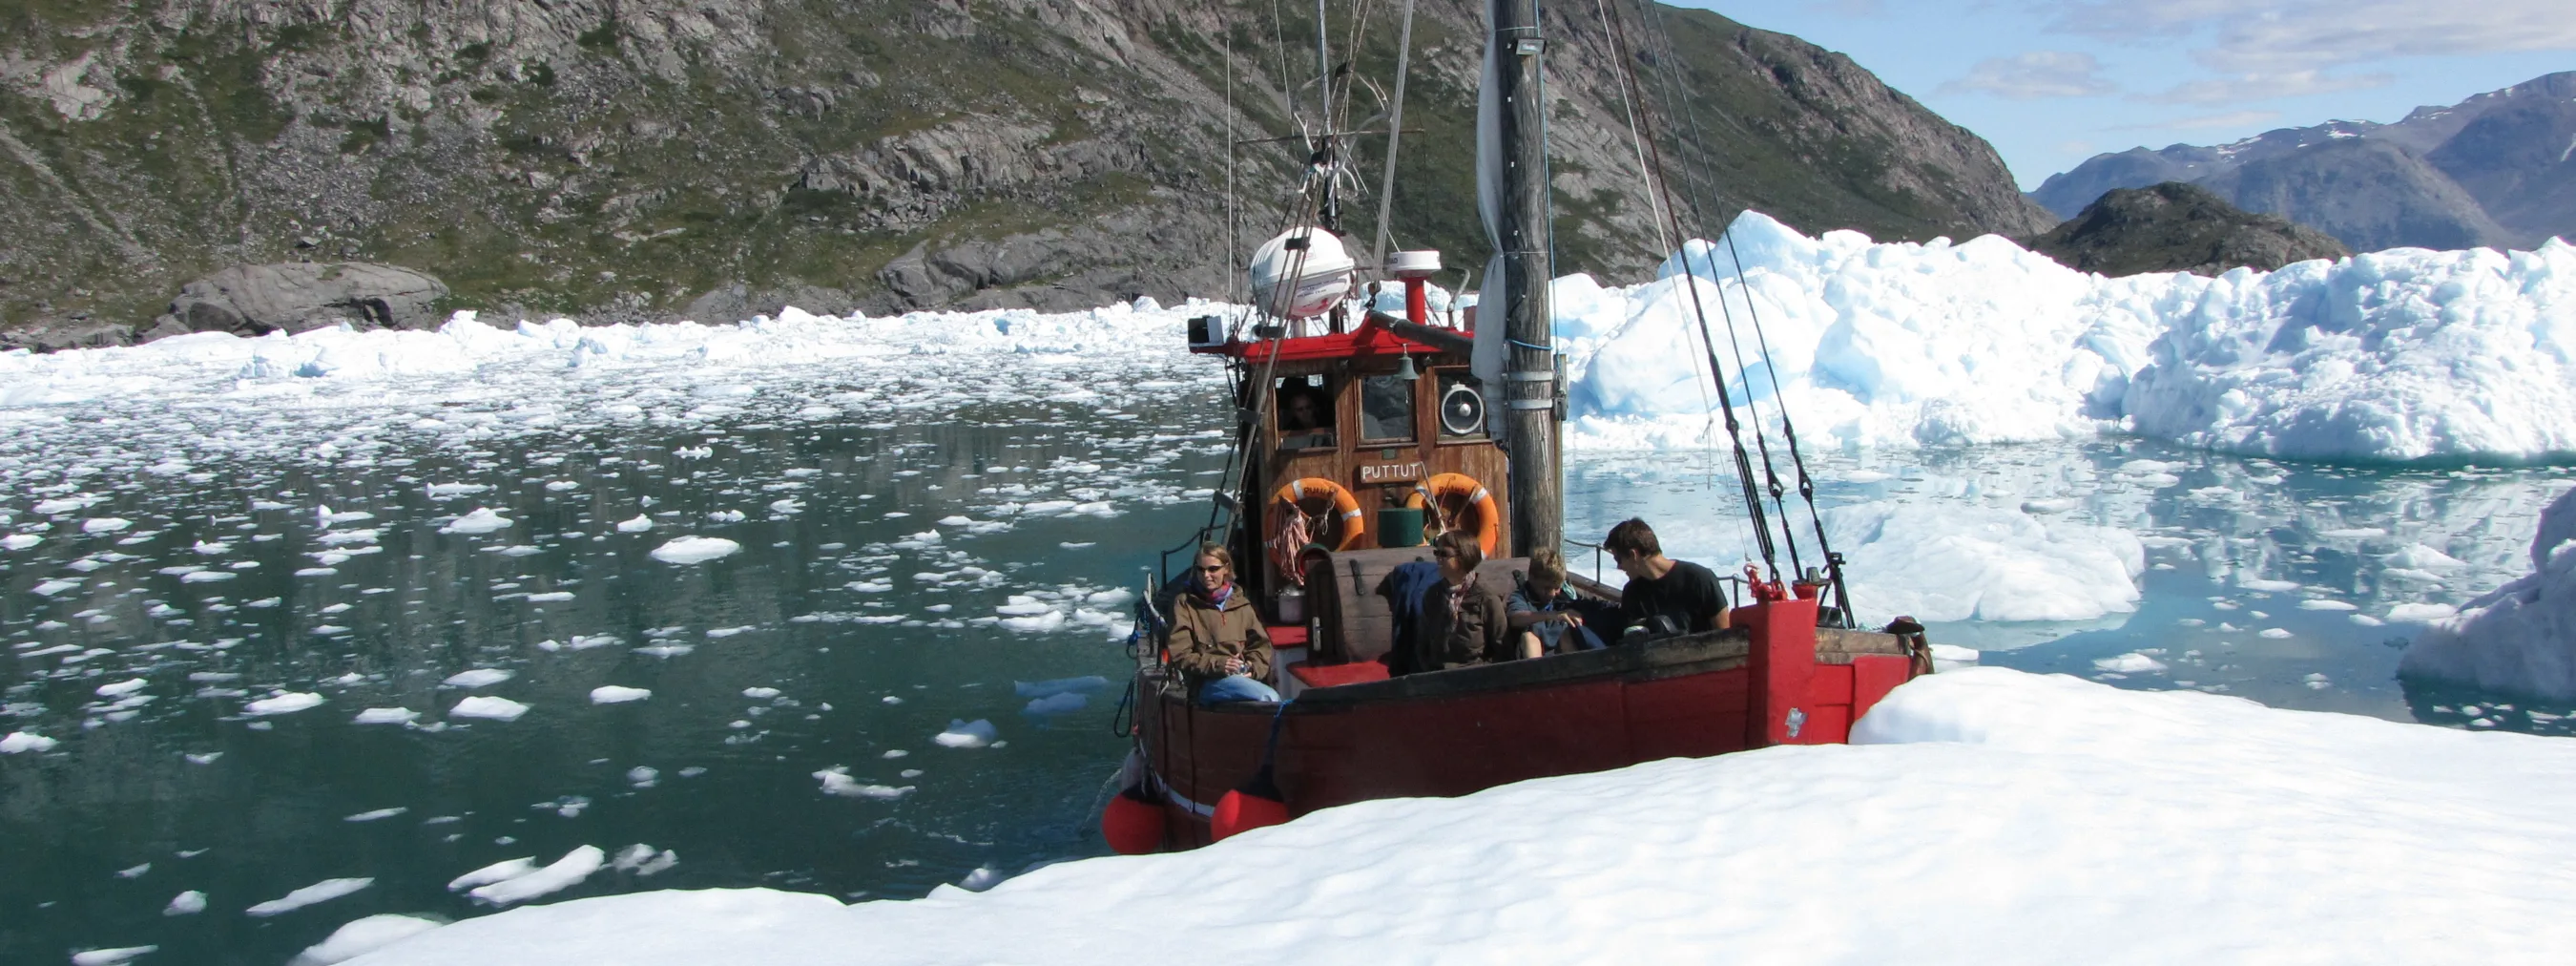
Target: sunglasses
(1210, 570)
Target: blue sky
(2052, 82)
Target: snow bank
(362, 936)
(1991, 816)
(2520, 637)
(2395, 355)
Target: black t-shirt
(1689, 594)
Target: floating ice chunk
(187, 903)
(1050, 688)
(563, 486)
(484, 706)
(105, 524)
(640, 524)
(111, 957)
(207, 758)
(481, 677)
(565, 873)
(2416, 556)
(966, 734)
(376, 815)
(2269, 586)
(2275, 633)
(378, 716)
(442, 491)
(482, 520)
(760, 693)
(1058, 704)
(287, 703)
(51, 587)
(2420, 613)
(1953, 652)
(694, 550)
(323, 891)
(1952, 563)
(550, 597)
(665, 650)
(837, 781)
(787, 506)
(614, 694)
(339, 537)
(208, 576)
(2130, 663)
(122, 688)
(362, 936)
(2320, 603)
(63, 505)
(20, 541)
(954, 521)
(501, 871)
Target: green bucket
(1399, 526)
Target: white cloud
(2239, 88)
(2283, 37)
(2034, 75)
(2229, 119)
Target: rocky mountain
(2496, 169)
(648, 159)
(2179, 227)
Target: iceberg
(2519, 638)
(2395, 355)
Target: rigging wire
(1788, 429)
(1394, 135)
(1743, 460)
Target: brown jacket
(1203, 637)
(1478, 633)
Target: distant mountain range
(2498, 169)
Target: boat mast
(1529, 377)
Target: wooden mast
(1529, 389)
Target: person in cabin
(1217, 639)
(1463, 621)
(1663, 596)
(1548, 618)
(1305, 418)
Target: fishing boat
(1358, 434)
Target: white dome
(1323, 277)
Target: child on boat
(1548, 617)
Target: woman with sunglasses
(1217, 640)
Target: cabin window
(1462, 406)
(1386, 410)
(1304, 405)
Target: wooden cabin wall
(1391, 471)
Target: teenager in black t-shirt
(1685, 594)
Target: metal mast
(1529, 377)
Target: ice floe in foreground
(1986, 816)
(2520, 637)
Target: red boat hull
(1455, 732)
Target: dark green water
(264, 806)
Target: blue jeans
(1236, 688)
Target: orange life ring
(1344, 504)
(1489, 519)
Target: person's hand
(1236, 665)
(1573, 619)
